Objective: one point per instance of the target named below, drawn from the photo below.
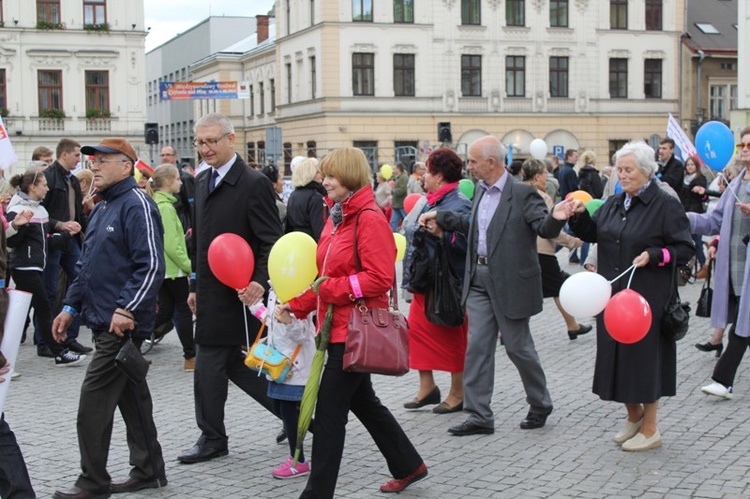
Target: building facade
(71, 68)
(170, 62)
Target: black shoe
(710, 347)
(281, 436)
(534, 420)
(73, 345)
(581, 330)
(443, 408)
(467, 428)
(432, 398)
(199, 453)
(44, 351)
(134, 484)
(79, 493)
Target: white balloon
(585, 294)
(538, 148)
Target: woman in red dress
(433, 347)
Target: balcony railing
(51, 125)
(98, 124)
(472, 104)
(558, 105)
(517, 105)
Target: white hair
(642, 153)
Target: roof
(721, 15)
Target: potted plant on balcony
(48, 25)
(96, 27)
(57, 114)
(94, 114)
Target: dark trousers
(14, 478)
(289, 412)
(215, 365)
(104, 389)
(729, 362)
(32, 282)
(340, 392)
(58, 259)
(173, 296)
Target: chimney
(261, 28)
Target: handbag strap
(675, 294)
(393, 299)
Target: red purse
(377, 339)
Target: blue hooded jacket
(122, 261)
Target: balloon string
(728, 188)
(632, 267)
(247, 331)
(631, 276)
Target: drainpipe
(701, 57)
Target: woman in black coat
(692, 201)
(646, 227)
(304, 211)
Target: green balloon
(594, 205)
(466, 187)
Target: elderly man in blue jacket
(119, 274)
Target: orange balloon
(582, 196)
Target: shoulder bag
(707, 293)
(442, 304)
(377, 339)
(265, 359)
(131, 361)
(676, 315)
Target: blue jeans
(397, 216)
(14, 477)
(66, 260)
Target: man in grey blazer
(502, 284)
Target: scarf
(337, 214)
(689, 178)
(434, 197)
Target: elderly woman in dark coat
(645, 227)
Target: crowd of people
(500, 243)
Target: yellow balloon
(291, 264)
(400, 246)
(386, 171)
(582, 196)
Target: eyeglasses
(743, 145)
(209, 142)
(90, 163)
(166, 154)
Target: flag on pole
(7, 154)
(676, 133)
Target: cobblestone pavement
(705, 452)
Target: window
(262, 95)
(261, 152)
(94, 12)
(362, 10)
(614, 146)
(403, 75)
(363, 74)
(288, 17)
(97, 92)
(3, 90)
(653, 15)
(288, 155)
(50, 90)
(48, 11)
(289, 83)
(618, 78)
(1, 11)
(470, 12)
(370, 148)
(405, 153)
(252, 101)
(708, 28)
(403, 11)
(515, 76)
(313, 78)
(250, 152)
(312, 12)
(618, 14)
(515, 13)
(652, 79)
(312, 149)
(723, 98)
(471, 75)
(558, 13)
(558, 76)
(273, 94)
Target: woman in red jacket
(355, 225)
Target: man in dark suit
(670, 169)
(502, 284)
(229, 197)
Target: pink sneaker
(286, 470)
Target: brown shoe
(79, 493)
(703, 273)
(189, 365)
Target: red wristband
(356, 289)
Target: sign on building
(188, 90)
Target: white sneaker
(69, 358)
(718, 390)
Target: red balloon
(231, 260)
(410, 201)
(392, 183)
(627, 316)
